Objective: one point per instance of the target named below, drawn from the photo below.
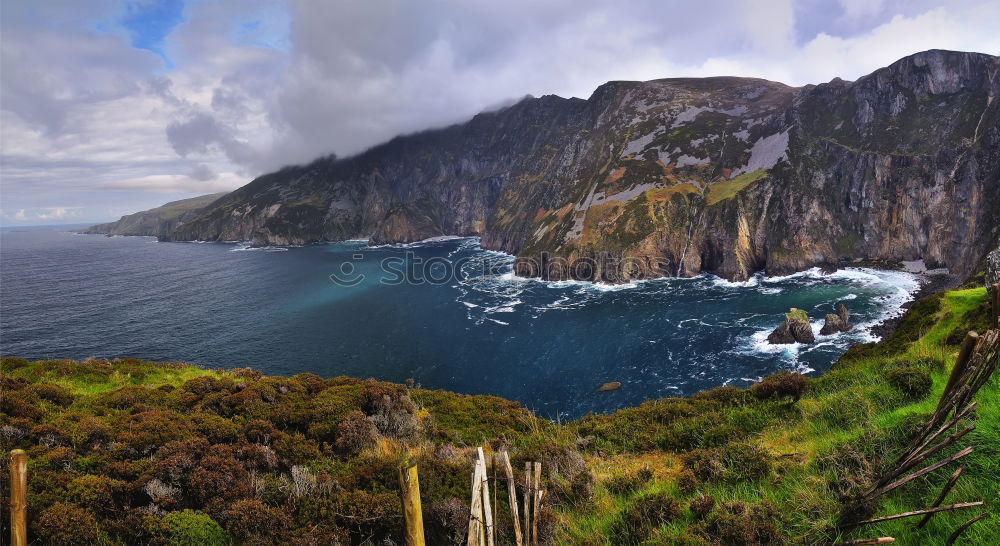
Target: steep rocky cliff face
(672, 177)
(158, 222)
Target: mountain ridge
(673, 176)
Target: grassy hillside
(143, 453)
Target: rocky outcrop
(672, 177)
(835, 323)
(992, 269)
(795, 329)
(158, 222)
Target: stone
(609, 386)
(795, 329)
(992, 269)
(836, 323)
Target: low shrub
(687, 482)
(643, 516)
(355, 434)
(745, 462)
(192, 527)
(913, 382)
(846, 409)
(626, 484)
(252, 521)
(447, 522)
(65, 524)
(737, 524)
(780, 385)
(58, 395)
(701, 506)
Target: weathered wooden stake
(487, 506)
(512, 496)
(537, 504)
(18, 498)
(944, 493)
(919, 512)
(877, 540)
(996, 305)
(476, 510)
(409, 486)
(528, 494)
(961, 529)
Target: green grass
(726, 189)
(852, 405)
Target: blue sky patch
(149, 22)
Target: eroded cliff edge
(722, 175)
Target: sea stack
(836, 323)
(795, 329)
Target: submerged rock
(837, 323)
(795, 329)
(609, 386)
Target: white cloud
(91, 122)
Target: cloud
(236, 88)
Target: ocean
(443, 312)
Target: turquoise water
(479, 330)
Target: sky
(110, 107)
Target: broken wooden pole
(413, 520)
(921, 472)
(876, 540)
(961, 529)
(944, 493)
(918, 513)
(18, 498)
(512, 496)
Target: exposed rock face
(992, 269)
(672, 177)
(837, 323)
(795, 329)
(158, 222)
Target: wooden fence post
(512, 497)
(413, 519)
(18, 498)
(487, 505)
(528, 494)
(996, 305)
(476, 509)
(537, 503)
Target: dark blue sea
(443, 312)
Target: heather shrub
(147, 431)
(355, 434)
(252, 521)
(21, 404)
(126, 397)
(727, 395)
(98, 493)
(745, 462)
(737, 524)
(67, 525)
(447, 522)
(686, 433)
(644, 515)
(89, 430)
(219, 476)
(687, 482)
(625, 484)
(58, 395)
(296, 448)
(581, 488)
(780, 385)
(913, 382)
(193, 528)
(701, 506)
(704, 463)
(311, 382)
(260, 431)
(216, 429)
